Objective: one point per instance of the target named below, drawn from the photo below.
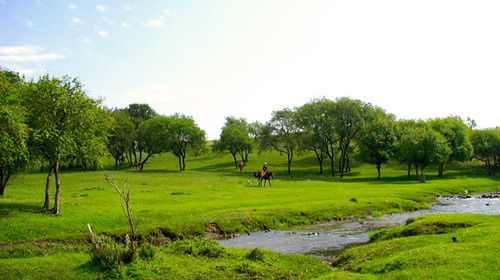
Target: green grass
(211, 194)
(424, 249)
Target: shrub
(110, 254)
(147, 251)
(202, 247)
(256, 254)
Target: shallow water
(327, 239)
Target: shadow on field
(150, 171)
(9, 209)
(219, 167)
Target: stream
(328, 239)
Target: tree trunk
(47, 189)
(378, 171)
(422, 174)
(342, 167)
(290, 158)
(183, 162)
(440, 170)
(4, 179)
(144, 162)
(235, 160)
(116, 164)
(416, 171)
(58, 189)
(332, 163)
(409, 170)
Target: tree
(457, 138)
(152, 136)
(281, 133)
(64, 122)
(349, 117)
(486, 145)
(184, 136)
(235, 138)
(377, 142)
(122, 135)
(421, 145)
(315, 120)
(138, 113)
(13, 130)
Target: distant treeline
(52, 122)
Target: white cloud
(167, 12)
(76, 20)
(127, 8)
(154, 23)
(125, 25)
(103, 33)
(73, 7)
(27, 49)
(102, 8)
(30, 57)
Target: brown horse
(266, 176)
(138, 164)
(241, 165)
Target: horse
(241, 165)
(266, 176)
(138, 164)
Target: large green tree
(282, 134)
(377, 142)
(419, 144)
(350, 115)
(138, 113)
(13, 130)
(184, 137)
(315, 119)
(122, 135)
(64, 122)
(456, 133)
(486, 145)
(152, 136)
(235, 138)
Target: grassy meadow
(212, 198)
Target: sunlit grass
(213, 194)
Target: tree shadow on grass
(151, 171)
(7, 209)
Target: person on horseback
(264, 169)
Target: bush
(198, 247)
(256, 254)
(110, 254)
(147, 251)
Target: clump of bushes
(109, 254)
(198, 247)
(147, 251)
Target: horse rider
(264, 169)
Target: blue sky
(212, 59)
